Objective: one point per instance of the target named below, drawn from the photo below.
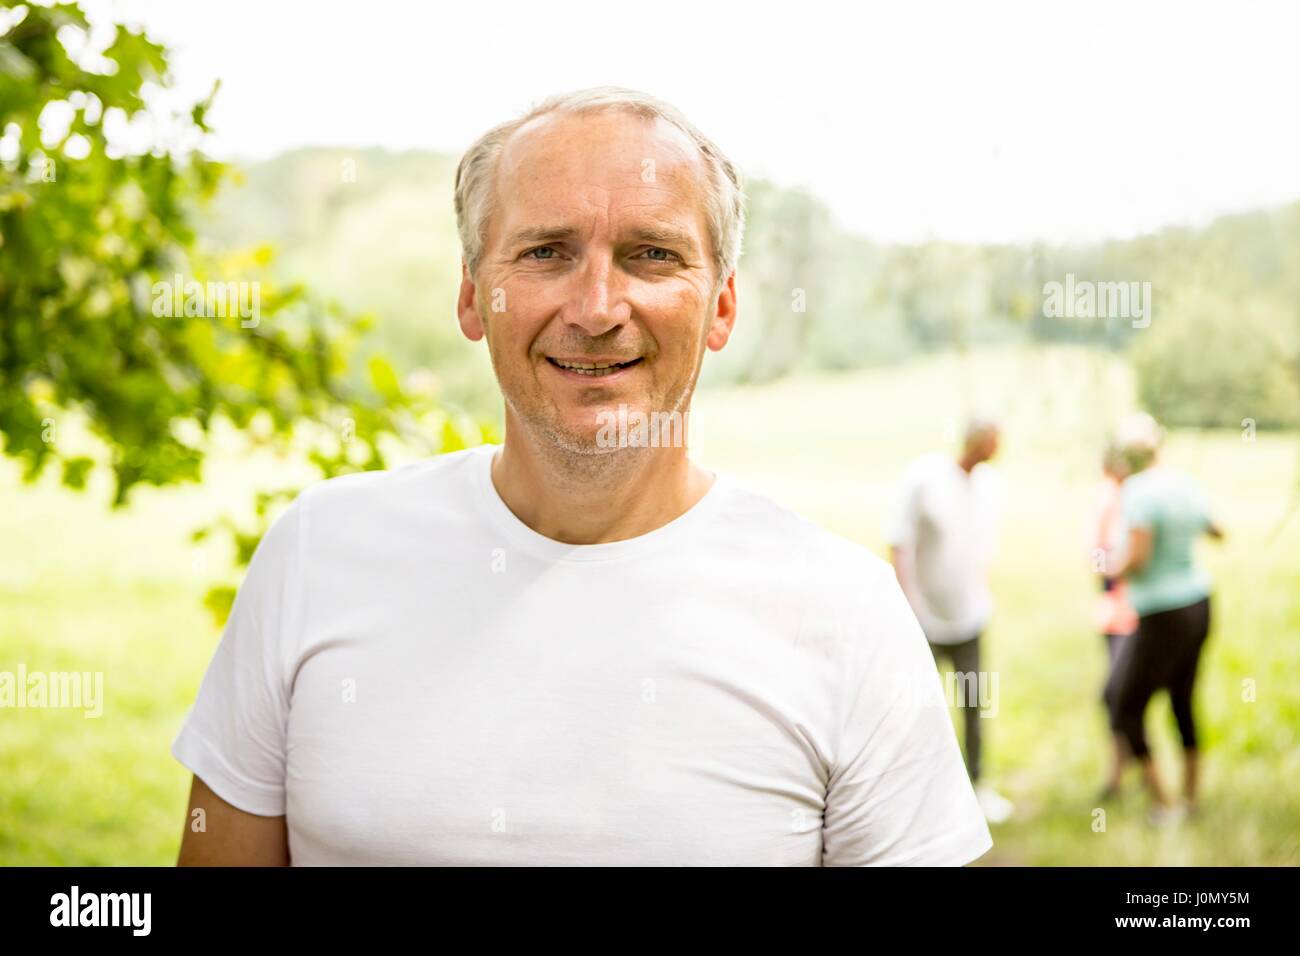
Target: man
(941, 539)
(572, 649)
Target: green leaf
(74, 471)
(384, 379)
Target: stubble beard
(578, 457)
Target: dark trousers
(1114, 645)
(965, 657)
(1163, 653)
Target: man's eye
(653, 253)
(531, 253)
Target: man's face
(597, 252)
(989, 447)
(983, 445)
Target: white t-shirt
(414, 676)
(946, 521)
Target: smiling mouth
(593, 369)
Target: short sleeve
(901, 529)
(1136, 505)
(991, 518)
(234, 736)
(898, 794)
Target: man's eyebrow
(653, 233)
(663, 235)
(540, 234)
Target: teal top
(1172, 508)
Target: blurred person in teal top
(1169, 506)
(1165, 513)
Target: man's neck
(581, 499)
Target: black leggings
(1162, 653)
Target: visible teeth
(588, 368)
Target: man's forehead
(599, 151)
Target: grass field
(83, 589)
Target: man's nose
(598, 301)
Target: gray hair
(475, 176)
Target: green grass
(83, 589)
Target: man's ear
(471, 323)
(724, 317)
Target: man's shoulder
(930, 467)
(403, 488)
(827, 555)
(928, 463)
(850, 596)
(988, 477)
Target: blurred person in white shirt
(942, 536)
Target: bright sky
(972, 121)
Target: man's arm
(234, 738)
(230, 836)
(896, 558)
(901, 559)
(897, 793)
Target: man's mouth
(595, 369)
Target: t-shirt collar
(525, 538)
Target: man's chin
(589, 438)
(607, 428)
(579, 443)
(602, 432)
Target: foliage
(96, 227)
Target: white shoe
(1171, 816)
(997, 808)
